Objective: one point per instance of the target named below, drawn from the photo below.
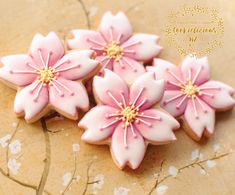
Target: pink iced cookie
(190, 93)
(126, 118)
(116, 46)
(46, 78)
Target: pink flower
(126, 117)
(190, 93)
(47, 78)
(116, 46)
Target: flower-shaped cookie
(190, 93)
(125, 117)
(46, 78)
(116, 46)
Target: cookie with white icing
(116, 46)
(48, 79)
(126, 119)
(191, 95)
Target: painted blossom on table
(15, 146)
(13, 165)
(98, 183)
(121, 191)
(4, 140)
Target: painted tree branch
(197, 162)
(47, 161)
(73, 175)
(7, 173)
(17, 181)
(86, 12)
(52, 115)
(87, 177)
(54, 131)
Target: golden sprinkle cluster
(114, 50)
(128, 114)
(190, 89)
(46, 75)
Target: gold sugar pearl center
(129, 114)
(114, 50)
(47, 75)
(190, 89)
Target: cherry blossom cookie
(116, 46)
(191, 95)
(125, 117)
(47, 78)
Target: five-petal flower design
(47, 78)
(116, 46)
(125, 117)
(190, 93)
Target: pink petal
(161, 129)
(200, 70)
(167, 71)
(67, 96)
(48, 46)
(174, 103)
(79, 65)
(221, 98)
(31, 102)
(17, 63)
(131, 155)
(114, 26)
(86, 39)
(146, 89)
(128, 69)
(200, 119)
(94, 122)
(144, 47)
(105, 62)
(109, 89)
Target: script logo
(194, 29)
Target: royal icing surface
(126, 117)
(190, 93)
(116, 46)
(48, 76)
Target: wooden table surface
(49, 160)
